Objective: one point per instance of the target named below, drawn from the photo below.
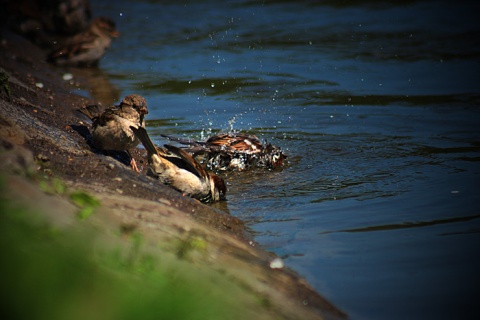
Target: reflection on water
(377, 106)
(98, 84)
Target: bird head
(136, 101)
(218, 187)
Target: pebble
(277, 263)
(41, 157)
(67, 76)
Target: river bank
(47, 160)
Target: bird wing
(238, 142)
(78, 44)
(91, 111)
(185, 161)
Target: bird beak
(143, 110)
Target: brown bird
(175, 167)
(111, 129)
(86, 48)
(234, 151)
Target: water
(378, 108)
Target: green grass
(52, 274)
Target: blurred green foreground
(52, 274)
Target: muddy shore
(41, 135)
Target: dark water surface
(378, 108)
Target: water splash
(231, 122)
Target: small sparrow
(234, 151)
(175, 167)
(88, 47)
(111, 129)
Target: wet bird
(175, 167)
(86, 48)
(111, 129)
(234, 151)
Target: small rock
(67, 76)
(277, 263)
(41, 157)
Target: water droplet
(212, 85)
